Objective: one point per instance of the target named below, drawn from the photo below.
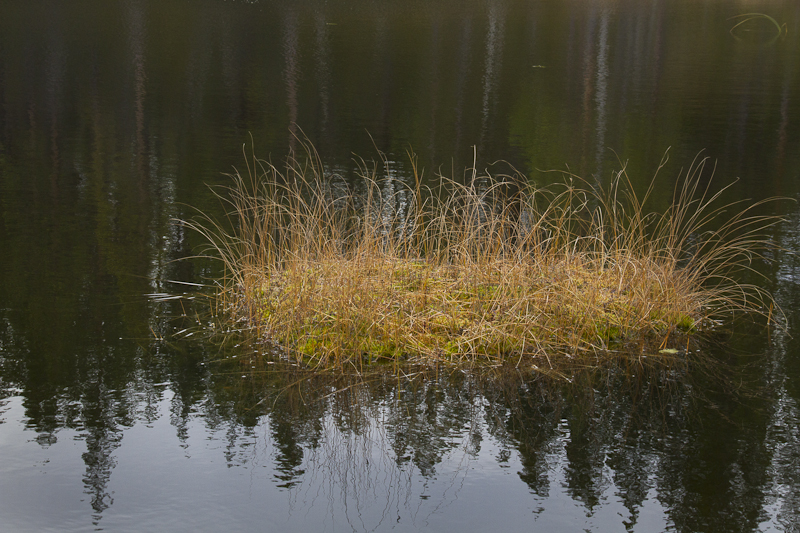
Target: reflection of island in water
(604, 440)
(375, 452)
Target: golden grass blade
(469, 274)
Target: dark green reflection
(114, 116)
(679, 433)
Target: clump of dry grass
(470, 273)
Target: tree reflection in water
(114, 116)
(365, 442)
(712, 453)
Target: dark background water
(114, 118)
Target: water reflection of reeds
(369, 440)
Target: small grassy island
(487, 271)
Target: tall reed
(484, 271)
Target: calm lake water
(115, 116)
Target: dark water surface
(116, 115)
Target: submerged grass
(471, 273)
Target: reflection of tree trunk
(461, 78)
(657, 31)
(780, 157)
(783, 429)
(56, 64)
(291, 73)
(322, 70)
(137, 45)
(4, 121)
(382, 59)
(231, 69)
(433, 93)
(588, 83)
(601, 95)
(492, 64)
(788, 78)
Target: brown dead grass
(469, 273)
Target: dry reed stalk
(466, 274)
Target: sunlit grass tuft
(469, 273)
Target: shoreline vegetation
(491, 271)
